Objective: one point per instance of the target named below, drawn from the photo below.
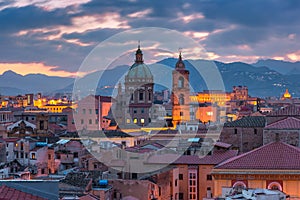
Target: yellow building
(274, 166)
(53, 105)
(211, 96)
(286, 95)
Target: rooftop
(273, 156)
(288, 123)
(249, 121)
(291, 110)
(8, 193)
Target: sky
(54, 37)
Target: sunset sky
(54, 36)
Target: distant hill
(262, 81)
(280, 66)
(31, 83)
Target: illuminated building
(211, 96)
(180, 93)
(286, 95)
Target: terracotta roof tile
(217, 157)
(188, 159)
(14, 194)
(291, 110)
(249, 121)
(288, 123)
(273, 156)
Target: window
(134, 111)
(75, 154)
(95, 166)
(134, 175)
(96, 121)
(90, 121)
(49, 156)
(90, 111)
(22, 146)
(42, 125)
(181, 99)
(192, 184)
(33, 156)
(255, 131)
(128, 121)
(149, 96)
(181, 114)
(82, 121)
(180, 176)
(181, 82)
(97, 111)
(142, 110)
(235, 131)
(209, 177)
(142, 121)
(275, 186)
(141, 96)
(83, 111)
(135, 120)
(180, 195)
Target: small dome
(139, 70)
(286, 95)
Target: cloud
(82, 24)
(295, 56)
(140, 14)
(32, 68)
(46, 5)
(188, 18)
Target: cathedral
(133, 105)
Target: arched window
(181, 82)
(239, 186)
(181, 99)
(275, 186)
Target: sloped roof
(273, 156)
(188, 159)
(223, 145)
(288, 123)
(217, 157)
(249, 121)
(28, 124)
(9, 193)
(291, 110)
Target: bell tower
(180, 92)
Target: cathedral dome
(139, 70)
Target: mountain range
(263, 78)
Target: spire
(180, 64)
(139, 54)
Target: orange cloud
(295, 56)
(35, 68)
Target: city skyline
(53, 38)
